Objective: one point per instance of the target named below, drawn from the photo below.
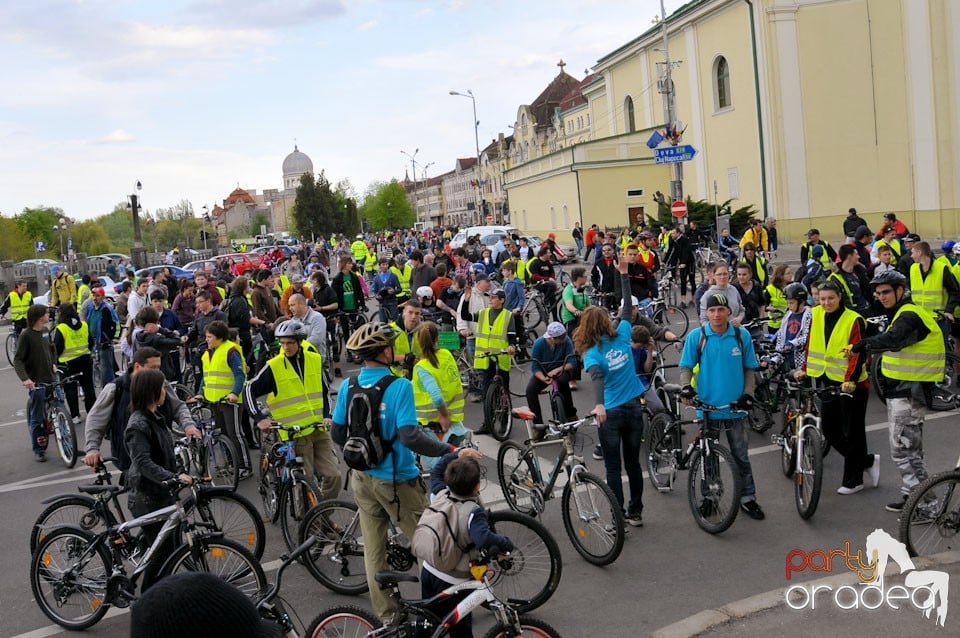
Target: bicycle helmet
(796, 291)
(370, 339)
(292, 329)
(956, 249)
(891, 277)
(424, 291)
(947, 246)
(478, 268)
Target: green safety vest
(928, 293)
(827, 358)
(778, 301)
(922, 361)
(448, 378)
(404, 276)
(217, 376)
(283, 282)
(492, 338)
(297, 402)
(19, 305)
(83, 293)
(75, 342)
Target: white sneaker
(874, 471)
(846, 491)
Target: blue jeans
(35, 425)
(107, 361)
(624, 427)
(579, 242)
(737, 440)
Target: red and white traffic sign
(679, 208)
(489, 218)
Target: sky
(195, 97)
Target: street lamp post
(476, 140)
(413, 162)
(138, 254)
(59, 229)
(426, 192)
(203, 225)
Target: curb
(708, 619)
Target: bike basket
(450, 340)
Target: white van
(484, 231)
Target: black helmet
(796, 291)
(891, 277)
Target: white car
(109, 286)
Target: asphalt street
(669, 568)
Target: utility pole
(670, 107)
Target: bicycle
(344, 323)
(930, 519)
(73, 569)
(497, 406)
(534, 309)
(214, 456)
(592, 517)
(97, 508)
(672, 317)
(771, 389)
(56, 418)
(422, 617)
(286, 493)
(13, 338)
(271, 607)
(714, 484)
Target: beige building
(460, 193)
(494, 160)
(801, 108)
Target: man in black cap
(906, 259)
(890, 221)
(861, 239)
(852, 223)
(829, 256)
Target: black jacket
(907, 330)
(150, 446)
(851, 224)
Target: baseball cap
(889, 216)
(862, 232)
(499, 292)
(297, 279)
(718, 299)
(813, 231)
(556, 329)
(275, 271)
(98, 292)
(54, 269)
(634, 301)
(552, 236)
(912, 237)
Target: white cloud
(118, 136)
(366, 26)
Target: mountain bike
(592, 518)
(427, 617)
(930, 521)
(76, 576)
(671, 317)
(56, 418)
(271, 607)
(13, 338)
(344, 325)
(497, 406)
(534, 309)
(286, 493)
(215, 455)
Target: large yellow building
(801, 108)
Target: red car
(240, 263)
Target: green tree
(260, 219)
(118, 225)
(386, 206)
(90, 238)
(37, 224)
(322, 210)
(308, 208)
(14, 244)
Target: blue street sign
(671, 154)
(41, 246)
(69, 243)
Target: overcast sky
(195, 97)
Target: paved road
(668, 571)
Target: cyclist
(224, 374)
(33, 363)
(404, 273)
(17, 302)
(63, 289)
(782, 276)
(292, 381)
(313, 322)
(908, 373)
(385, 288)
(843, 419)
(544, 277)
(890, 240)
(851, 278)
(554, 358)
(728, 246)
(574, 299)
(346, 285)
(755, 234)
(721, 275)
(681, 261)
(405, 348)
(727, 360)
(826, 258)
(472, 302)
(757, 263)
(640, 281)
(932, 284)
(604, 275)
(393, 491)
(71, 341)
(437, 388)
(296, 287)
(795, 325)
(429, 309)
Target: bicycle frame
(567, 461)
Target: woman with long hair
(782, 277)
(438, 389)
(608, 359)
(72, 341)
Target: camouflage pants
(906, 441)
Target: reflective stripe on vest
(19, 305)
(778, 301)
(75, 342)
(848, 294)
(492, 338)
(826, 358)
(403, 276)
(824, 258)
(447, 376)
(922, 361)
(217, 376)
(297, 402)
(928, 293)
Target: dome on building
(294, 165)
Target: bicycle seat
(523, 413)
(672, 388)
(385, 579)
(100, 489)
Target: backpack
(365, 448)
(702, 343)
(435, 538)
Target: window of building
(634, 192)
(553, 217)
(566, 217)
(628, 117)
(588, 119)
(721, 81)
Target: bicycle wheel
(713, 489)
(65, 434)
(593, 519)
(235, 516)
(497, 408)
(532, 573)
(661, 459)
(788, 459)
(221, 557)
(875, 375)
(534, 313)
(73, 509)
(11, 347)
(518, 476)
(930, 519)
(809, 481)
(296, 499)
(944, 392)
(269, 487)
(556, 406)
(221, 462)
(336, 559)
(532, 627)
(673, 319)
(68, 578)
(342, 621)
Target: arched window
(628, 117)
(721, 79)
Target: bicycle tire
(65, 435)
(235, 516)
(529, 626)
(945, 397)
(221, 462)
(11, 344)
(788, 459)
(295, 501)
(931, 516)
(340, 621)
(221, 557)
(534, 313)
(809, 481)
(69, 509)
(594, 524)
(336, 559)
(97, 377)
(269, 486)
(673, 319)
(58, 553)
(875, 376)
(718, 488)
(516, 473)
(498, 410)
(556, 406)
(660, 457)
(533, 572)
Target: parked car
(240, 263)
(209, 266)
(111, 289)
(175, 270)
(263, 250)
(116, 257)
(460, 239)
(37, 262)
(568, 252)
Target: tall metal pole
(138, 252)
(670, 107)
(481, 202)
(413, 164)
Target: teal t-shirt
(614, 356)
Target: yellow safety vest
(928, 293)
(75, 342)
(824, 258)
(297, 402)
(778, 301)
(761, 269)
(492, 338)
(402, 344)
(217, 375)
(522, 273)
(842, 282)
(370, 263)
(403, 275)
(447, 376)
(896, 248)
(283, 282)
(19, 305)
(359, 249)
(922, 361)
(222, 291)
(83, 293)
(249, 297)
(827, 358)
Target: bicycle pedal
(777, 439)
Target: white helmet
(424, 291)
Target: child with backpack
(452, 530)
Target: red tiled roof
(238, 195)
(549, 99)
(466, 162)
(575, 96)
